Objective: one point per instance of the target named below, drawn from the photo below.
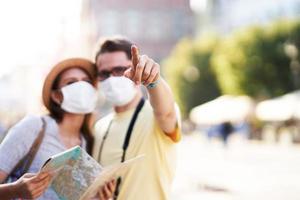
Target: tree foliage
(257, 61)
(253, 61)
(189, 72)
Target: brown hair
(57, 113)
(113, 45)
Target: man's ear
(57, 97)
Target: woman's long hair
(57, 113)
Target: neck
(71, 124)
(131, 104)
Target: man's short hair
(114, 44)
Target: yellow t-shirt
(152, 177)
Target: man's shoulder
(103, 121)
(147, 108)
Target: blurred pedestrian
(137, 126)
(226, 129)
(70, 95)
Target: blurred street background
(233, 66)
(244, 171)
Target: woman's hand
(107, 191)
(31, 186)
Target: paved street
(243, 171)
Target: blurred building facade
(227, 15)
(155, 25)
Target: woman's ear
(57, 96)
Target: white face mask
(79, 98)
(118, 90)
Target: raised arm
(146, 71)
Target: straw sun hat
(81, 63)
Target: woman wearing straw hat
(69, 94)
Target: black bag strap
(128, 133)
(24, 164)
(127, 140)
(130, 128)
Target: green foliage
(189, 72)
(253, 61)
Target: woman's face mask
(118, 90)
(79, 98)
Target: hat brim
(80, 63)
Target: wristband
(153, 84)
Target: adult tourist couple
(136, 126)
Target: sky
(31, 30)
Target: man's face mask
(79, 98)
(118, 90)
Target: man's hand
(31, 186)
(107, 191)
(144, 69)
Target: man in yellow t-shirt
(136, 126)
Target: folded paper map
(77, 176)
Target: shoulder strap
(24, 164)
(103, 140)
(127, 140)
(130, 128)
(128, 133)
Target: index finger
(134, 55)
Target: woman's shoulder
(27, 128)
(30, 123)
(30, 120)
